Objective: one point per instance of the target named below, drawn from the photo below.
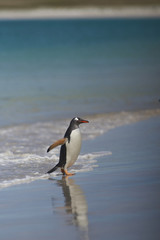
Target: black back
(62, 157)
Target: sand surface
(119, 199)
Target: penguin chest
(73, 147)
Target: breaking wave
(32, 167)
(23, 156)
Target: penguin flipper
(57, 143)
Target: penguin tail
(53, 169)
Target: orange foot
(65, 172)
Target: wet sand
(119, 199)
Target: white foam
(84, 163)
(82, 12)
(16, 181)
(23, 147)
(102, 123)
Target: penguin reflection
(75, 202)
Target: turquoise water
(52, 69)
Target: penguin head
(77, 120)
(74, 124)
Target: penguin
(71, 146)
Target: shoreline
(126, 184)
(40, 160)
(82, 13)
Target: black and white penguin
(71, 146)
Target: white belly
(73, 148)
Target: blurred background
(70, 3)
(58, 68)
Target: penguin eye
(76, 119)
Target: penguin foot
(65, 172)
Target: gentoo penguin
(71, 146)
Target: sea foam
(23, 156)
(32, 167)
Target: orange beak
(84, 121)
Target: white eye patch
(76, 119)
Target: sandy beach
(119, 199)
(82, 12)
(105, 71)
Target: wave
(23, 156)
(82, 12)
(32, 167)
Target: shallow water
(54, 70)
(24, 157)
(118, 200)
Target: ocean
(106, 70)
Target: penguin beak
(84, 121)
